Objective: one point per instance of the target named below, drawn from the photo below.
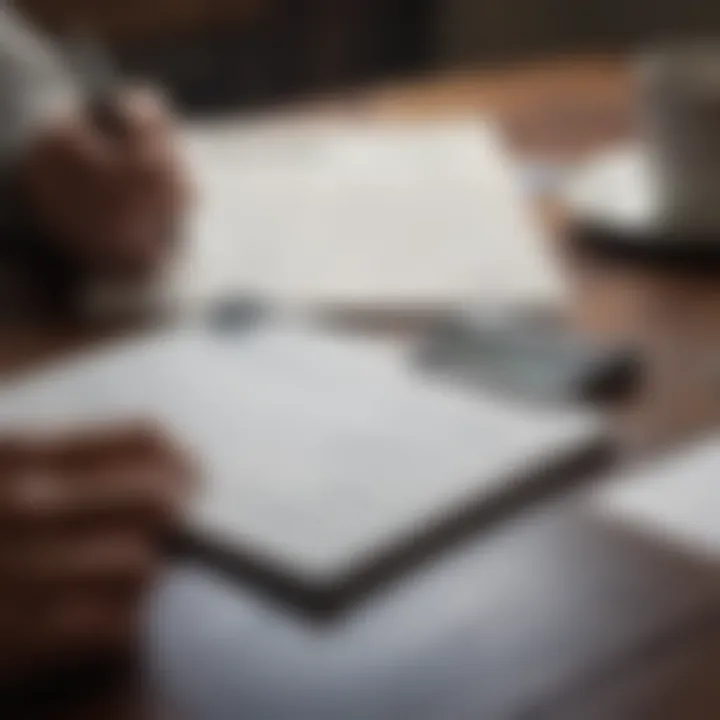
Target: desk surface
(554, 614)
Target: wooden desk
(554, 614)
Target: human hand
(83, 519)
(110, 198)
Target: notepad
(353, 213)
(319, 455)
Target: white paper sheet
(676, 499)
(342, 212)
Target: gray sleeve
(35, 84)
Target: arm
(79, 205)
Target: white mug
(680, 105)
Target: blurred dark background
(230, 53)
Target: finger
(65, 168)
(146, 448)
(155, 172)
(147, 494)
(131, 474)
(72, 148)
(156, 178)
(151, 151)
(94, 620)
(118, 558)
(78, 624)
(80, 449)
(70, 454)
(150, 497)
(144, 113)
(143, 452)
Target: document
(362, 213)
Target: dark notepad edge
(327, 601)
